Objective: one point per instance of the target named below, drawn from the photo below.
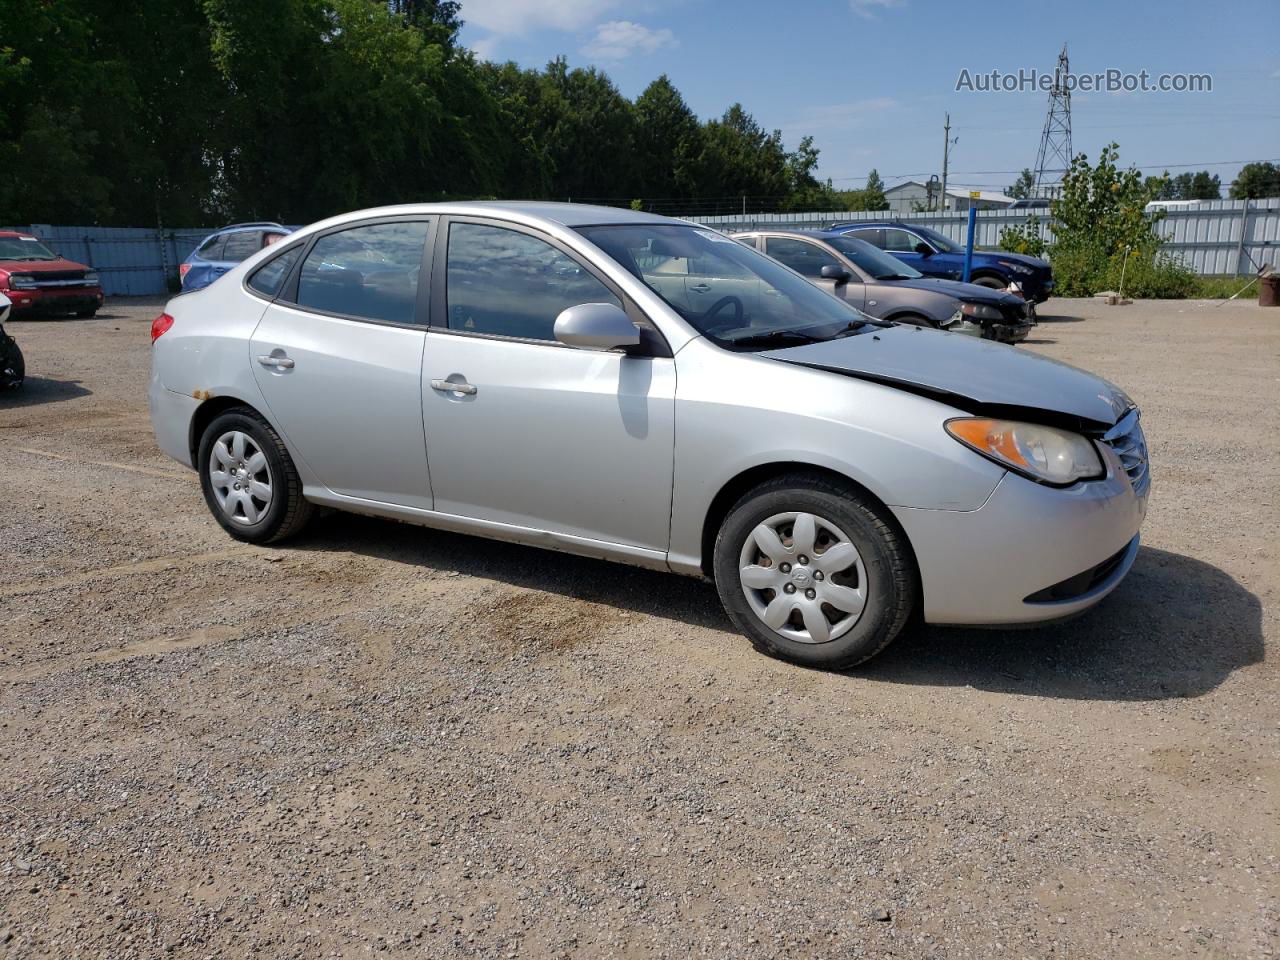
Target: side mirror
(599, 326)
(924, 249)
(5, 304)
(835, 272)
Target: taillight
(160, 325)
(182, 270)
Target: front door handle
(699, 287)
(273, 360)
(454, 386)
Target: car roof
(843, 225)
(521, 211)
(16, 233)
(792, 232)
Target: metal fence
(132, 261)
(1212, 237)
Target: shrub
(1157, 276)
(1024, 238)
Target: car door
(902, 244)
(808, 258)
(338, 357)
(523, 430)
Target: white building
(912, 196)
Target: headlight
(1017, 267)
(19, 281)
(91, 277)
(981, 311)
(1045, 454)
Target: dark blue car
(221, 251)
(935, 256)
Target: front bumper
(70, 300)
(999, 564)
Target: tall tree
(668, 141)
(1024, 186)
(1256, 180)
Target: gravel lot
(384, 739)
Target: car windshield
(873, 260)
(937, 239)
(729, 292)
(24, 248)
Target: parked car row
(627, 386)
(882, 286)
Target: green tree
(1256, 180)
(1024, 187)
(668, 142)
(870, 197)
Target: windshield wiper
(774, 336)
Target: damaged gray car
(882, 286)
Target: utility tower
(1054, 158)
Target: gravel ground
(384, 739)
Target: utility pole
(946, 154)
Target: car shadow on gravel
(1176, 627)
(37, 390)
(650, 592)
(1057, 318)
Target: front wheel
(814, 573)
(86, 314)
(993, 283)
(248, 478)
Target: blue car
(221, 251)
(935, 256)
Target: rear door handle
(699, 287)
(268, 360)
(454, 386)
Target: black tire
(993, 283)
(892, 590)
(86, 314)
(13, 369)
(288, 511)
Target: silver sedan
(627, 386)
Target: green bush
(1024, 238)
(1156, 276)
(1078, 271)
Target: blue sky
(871, 79)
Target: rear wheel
(248, 478)
(814, 573)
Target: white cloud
(618, 39)
(516, 17)
(868, 8)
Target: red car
(37, 280)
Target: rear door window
(268, 277)
(369, 272)
(900, 241)
(211, 249)
(873, 236)
(241, 245)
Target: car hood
(1020, 258)
(40, 266)
(961, 291)
(980, 376)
